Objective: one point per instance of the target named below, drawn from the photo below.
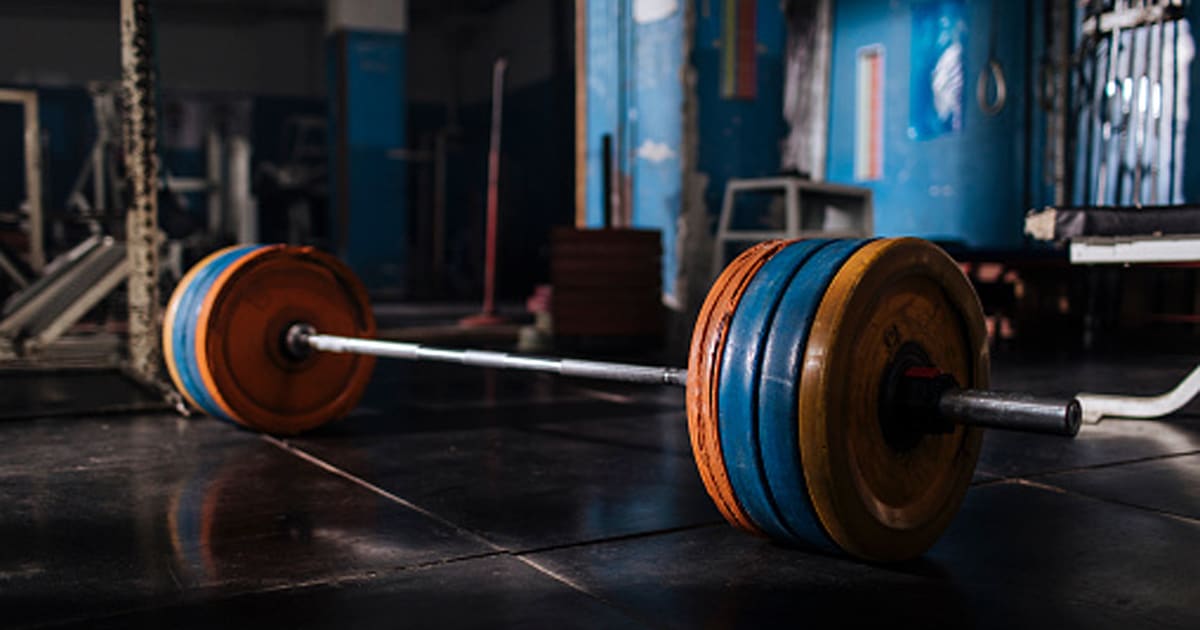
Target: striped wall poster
(868, 114)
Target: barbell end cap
(1073, 419)
(295, 341)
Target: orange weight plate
(240, 339)
(880, 500)
(704, 361)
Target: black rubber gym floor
(464, 498)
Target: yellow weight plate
(877, 500)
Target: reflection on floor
(457, 497)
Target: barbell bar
(835, 389)
(302, 338)
(982, 408)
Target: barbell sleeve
(1007, 410)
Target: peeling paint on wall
(655, 151)
(646, 11)
(635, 60)
(806, 89)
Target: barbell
(835, 389)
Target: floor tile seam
(565, 435)
(618, 538)
(202, 595)
(627, 611)
(366, 575)
(1103, 465)
(462, 529)
(984, 483)
(496, 547)
(1133, 506)
(390, 496)
(383, 493)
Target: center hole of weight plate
(294, 341)
(908, 397)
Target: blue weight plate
(778, 385)
(183, 329)
(738, 398)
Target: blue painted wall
(966, 187)
(635, 93)
(656, 133)
(636, 90)
(737, 137)
(606, 96)
(368, 120)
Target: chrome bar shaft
(1097, 406)
(603, 370)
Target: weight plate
(738, 384)
(876, 501)
(214, 290)
(172, 313)
(240, 331)
(778, 384)
(704, 360)
(183, 328)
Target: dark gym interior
(599, 314)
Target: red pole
(488, 314)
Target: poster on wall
(868, 113)
(939, 43)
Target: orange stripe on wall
(747, 45)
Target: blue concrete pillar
(368, 180)
(635, 66)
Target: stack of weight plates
(785, 375)
(607, 286)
